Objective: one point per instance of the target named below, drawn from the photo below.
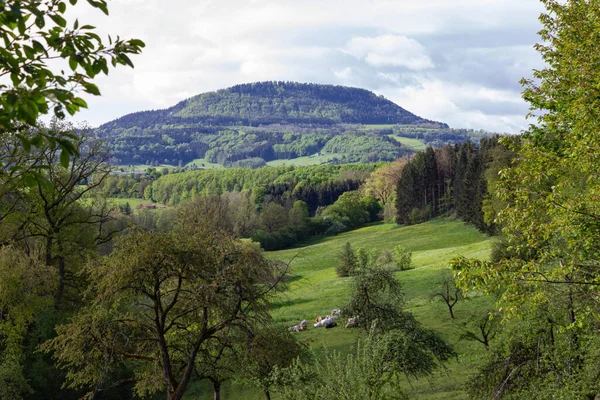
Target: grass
(415, 144)
(307, 160)
(316, 290)
(141, 167)
(202, 163)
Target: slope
(316, 290)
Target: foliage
(27, 287)
(266, 349)
(451, 179)
(347, 261)
(52, 216)
(157, 299)
(547, 270)
(34, 33)
(402, 257)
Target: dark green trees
(450, 179)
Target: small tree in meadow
(348, 261)
(402, 257)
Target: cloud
(458, 62)
(390, 50)
(462, 105)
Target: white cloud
(456, 61)
(461, 106)
(390, 50)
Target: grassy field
(316, 290)
(202, 163)
(415, 144)
(307, 160)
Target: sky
(458, 61)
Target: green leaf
(91, 88)
(73, 63)
(29, 111)
(73, 2)
(60, 21)
(64, 158)
(76, 24)
(80, 102)
(62, 7)
(25, 143)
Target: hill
(288, 103)
(255, 123)
(316, 290)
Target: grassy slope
(316, 291)
(415, 144)
(207, 165)
(308, 160)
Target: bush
(418, 215)
(402, 257)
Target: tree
(27, 287)
(448, 292)
(347, 261)
(264, 350)
(487, 329)
(34, 33)
(402, 257)
(550, 218)
(156, 300)
(52, 215)
(349, 209)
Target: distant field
(301, 161)
(415, 144)
(202, 163)
(375, 127)
(141, 167)
(316, 290)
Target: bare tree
(448, 292)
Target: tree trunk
(451, 312)
(267, 395)
(217, 390)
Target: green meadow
(314, 289)
(415, 144)
(307, 160)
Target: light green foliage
(26, 288)
(366, 373)
(33, 33)
(348, 209)
(402, 257)
(547, 274)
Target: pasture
(316, 290)
(306, 160)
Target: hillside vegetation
(316, 290)
(252, 124)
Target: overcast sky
(457, 61)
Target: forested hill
(252, 124)
(264, 103)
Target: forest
(185, 296)
(260, 122)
